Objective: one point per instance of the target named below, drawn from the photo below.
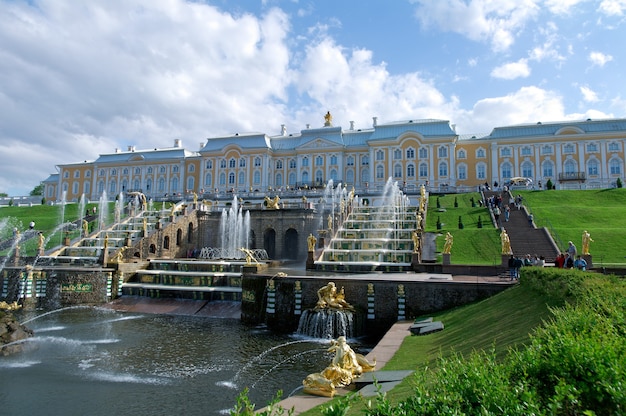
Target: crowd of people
(569, 259)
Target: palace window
(613, 147)
(481, 154)
(88, 175)
(462, 171)
(423, 169)
(319, 161)
(208, 179)
(365, 160)
(410, 153)
(242, 178)
(615, 167)
(175, 169)
(66, 174)
(350, 176)
(125, 171)
(397, 171)
(506, 170)
(223, 164)
(77, 174)
(292, 179)
(592, 167)
(305, 161)
(546, 150)
(242, 162)
(481, 171)
(333, 160)
(333, 175)
(527, 170)
(137, 171)
(592, 147)
(380, 173)
(505, 152)
(319, 177)
(350, 161)
(190, 183)
(443, 152)
(191, 168)
(461, 154)
(410, 170)
(397, 154)
(279, 164)
(279, 179)
(570, 166)
(150, 169)
(113, 172)
(231, 178)
(380, 155)
(526, 151)
(232, 163)
(256, 178)
(222, 179)
(548, 169)
(423, 152)
(443, 168)
(569, 148)
(257, 162)
(292, 163)
(102, 172)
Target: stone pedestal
(589, 259)
(310, 262)
(66, 241)
(415, 259)
(505, 260)
(446, 259)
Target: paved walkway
(383, 352)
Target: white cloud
(512, 70)
(562, 6)
(526, 105)
(599, 58)
(589, 95)
(495, 22)
(612, 7)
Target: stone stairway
(525, 237)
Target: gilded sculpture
(506, 242)
(272, 203)
(586, 240)
(328, 297)
(447, 246)
(311, 240)
(343, 369)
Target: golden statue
(506, 242)
(447, 246)
(586, 240)
(416, 241)
(328, 119)
(327, 297)
(119, 257)
(330, 222)
(195, 198)
(106, 241)
(419, 221)
(249, 255)
(42, 241)
(311, 240)
(13, 306)
(85, 228)
(344, 368)
(272, 203)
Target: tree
(3, 194)
(37, 190)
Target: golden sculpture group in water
(9, 306)
(328, 297)
(344, 368)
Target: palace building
(584, 154)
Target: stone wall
(380, 300)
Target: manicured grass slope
(568, 213)
(501, 322)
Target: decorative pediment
(569, 130)
(136, 158)
(318, 143)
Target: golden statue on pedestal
(272, 203)
(311, 240)
(329, 298)
(344, 368)
(447, 246)
(506, 242)
(586, 240)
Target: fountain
(369, 238)
(103, 211)
(331, 317)
(234, 231)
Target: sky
(82, 78)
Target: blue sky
(82, 78)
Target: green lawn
(568, 213)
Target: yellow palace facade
(584, 154)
